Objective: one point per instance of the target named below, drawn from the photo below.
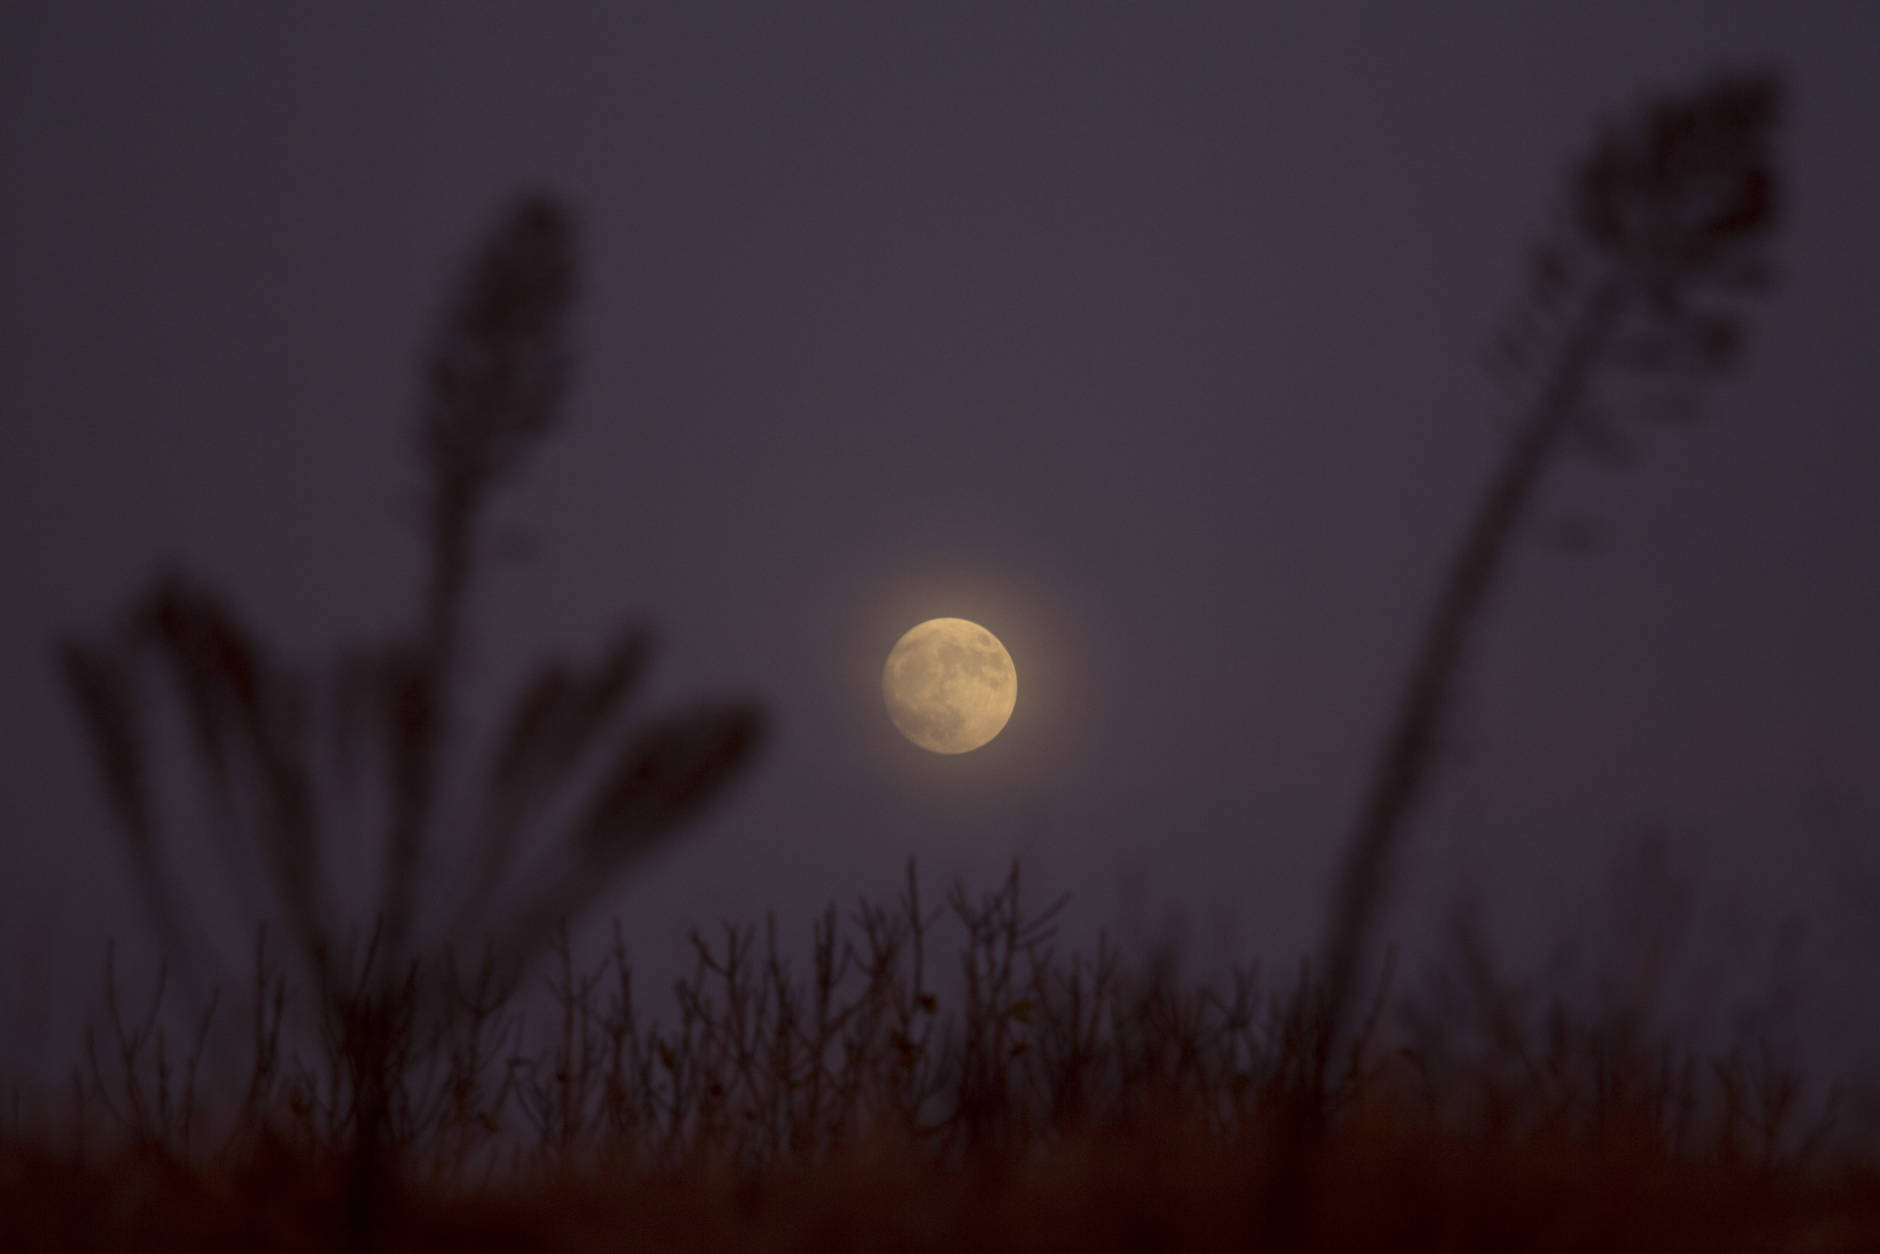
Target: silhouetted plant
(265, 733)
(1670, 210)
(1668, 216)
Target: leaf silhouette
(551, 731)
(101, 681)
(101, 686)
(667, 772)
(250, 727)
(661, 779)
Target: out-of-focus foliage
(292, 758)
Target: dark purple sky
(1147, 336)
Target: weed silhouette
(1666, 218)
(264, 733)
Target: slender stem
(1402, 771)
(1403, 767)
(428, 711)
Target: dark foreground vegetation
(892, 1092)
(453, 1075)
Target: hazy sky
(1147, 336)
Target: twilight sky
(1149, 337)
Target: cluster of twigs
(1006, 1048)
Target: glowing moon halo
(949, 685)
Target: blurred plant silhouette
(1668, 216)
(288, 756)
(1499, 1109)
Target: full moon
(949, 685)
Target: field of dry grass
(895, 1092)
